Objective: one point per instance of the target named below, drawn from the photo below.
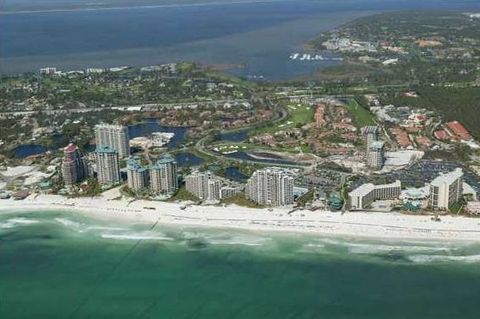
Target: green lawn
(183, 195)
(361, 116)
(299, 115)
(240, 200)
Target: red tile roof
(440, 134)
(70, 148)
(459, 130)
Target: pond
(236, 136)
(27, 150)
(185, 159)
(152, 125)
(234, 173)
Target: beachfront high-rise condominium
(271, 186)
(203, 185)
(446, 189)
(214, 189)
(108, 166)
(113, 136)
(74, 165)
(137, 174)
(366, 194)
(163, 175)
(375, 155)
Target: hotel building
(371, 134)
(163, 175)
(205, 186)
(74, 165)
(108, 167)
(137, 174)
(113, 136)
(375, 155)
(271, 186)
(363, 196)
(446, 189)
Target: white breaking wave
(426, 259)
(382, 248)
(14, 222)
(104, 228)
(69, 223)
(136, 237)
(238, 241)
(225, 238)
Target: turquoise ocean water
(61, 265)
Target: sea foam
(20, 221)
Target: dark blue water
(237, 136)
(27, 150)
(148, 127)
(186, 159)
(233, 173)
(258, 35)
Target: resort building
(113, 136)
(137, 174)
(214, 189)
(446, 189)
(203, 185)
(371, 134)
(74, 165)
(163, 175)
(206, 186)
(271, 186)
(363, 196)
(376, 155)
(108, 167)
(48, 71)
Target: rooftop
(377, 145)
(365, 189)
(70, 148)
(369, 129)
(134, 164)
(105, 150)
(447, 178)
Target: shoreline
(366, 225)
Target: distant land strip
(201, 4)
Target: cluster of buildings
(453, 131)
(112, 146)
(348, 45)
(208, 187)
(266, 187)
(160, 177)
(443, 192)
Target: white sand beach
(352, 224)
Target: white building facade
(363, 196)
(108, 167)
(446, 189)
(271, 187)
(113, 136)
